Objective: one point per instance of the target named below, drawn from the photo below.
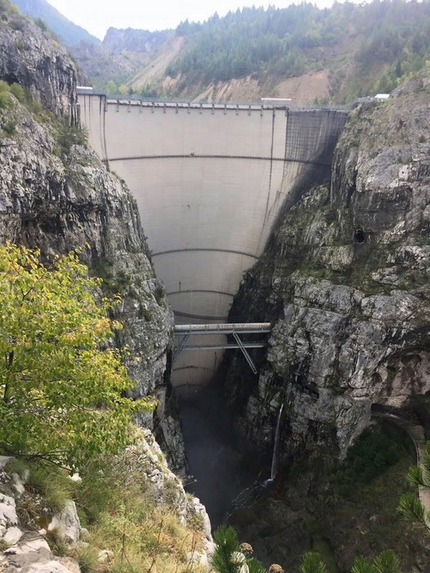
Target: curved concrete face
(210, 182)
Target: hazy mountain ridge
(301, 52)
(341, 53)
(67, 31)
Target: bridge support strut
(245, 353)
(186, 330)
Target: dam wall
(210, 181)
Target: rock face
(56, 195)
(344, 280)
(29, 56)
(59, 201)
(27, 548)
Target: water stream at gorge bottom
(215, 466)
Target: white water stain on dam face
(210, 181)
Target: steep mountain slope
(56, 194)
(123, 54)
(66, 30)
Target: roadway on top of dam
(210, 182)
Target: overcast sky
(97, 16)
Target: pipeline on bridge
(186, 330)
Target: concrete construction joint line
(237, 157)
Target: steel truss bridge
(183, 332)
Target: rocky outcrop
(27, 550)
(25, 547)
(62, 198)
(29, 57)
(56, 195)
(344, 280)
(58, 202)
(129, 39)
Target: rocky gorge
(57, 196)
(344, 281)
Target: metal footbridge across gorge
(185, 331)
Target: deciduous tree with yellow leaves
(62, 385)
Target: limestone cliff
(29, 56)
(59, 200)
(344, 281)
(56, 195)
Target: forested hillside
(365, 48)
(331, 55)
(303, 52)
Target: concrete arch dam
(210, 181)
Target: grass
(366, 492)
(137, 522)
(377, 449)
(47, 490)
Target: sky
(96, 16)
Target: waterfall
(252, 494)
(274, 469)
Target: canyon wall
(56, 195)
(344, 281)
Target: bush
(18, 92)
(69, 135)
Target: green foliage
(228, 556)
(254, 566)
(87, 558)
(18, 92)
(9, 126)
(52, 483)
(410, 506)
(375, 451)
(4, 94)
(61, 388)
(227, 543)
(111, 88)
(312, 564)
(387, 562)
(42, 25)
(159, 294)
(69, 135)
(17, 23)
(125, 515)
(148, 91)
(392, 39)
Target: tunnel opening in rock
(359, 237)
